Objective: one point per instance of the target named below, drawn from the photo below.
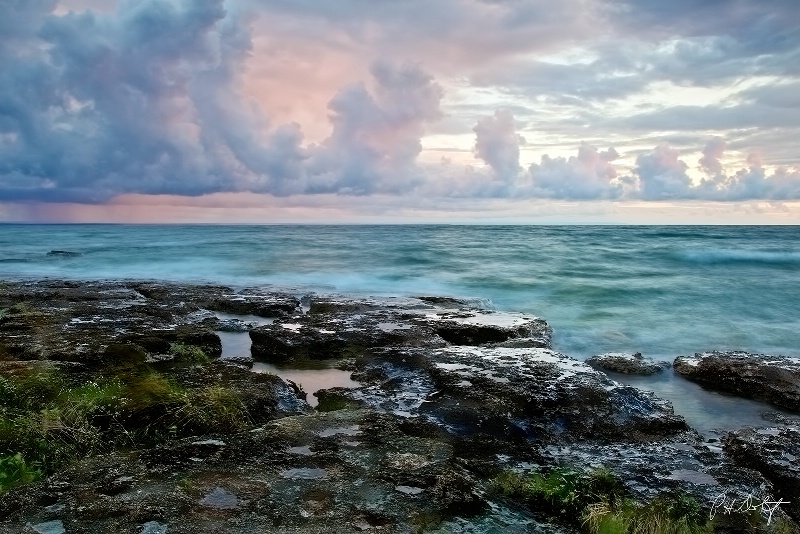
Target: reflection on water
(235, 343)
(704, 410)
(315, 374)
(311, 380)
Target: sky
(372, 111)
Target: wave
(741, 256)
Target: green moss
(30, 389)
(149, 388)
(426, 521)
(669, 513)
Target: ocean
(663, 291)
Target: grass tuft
(188, 353)
(597, 501)
(50, 423)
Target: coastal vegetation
(597, 501)
(47, 420)
(188, 353)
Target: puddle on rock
(311, 380)
(238, 343)
(409, 490)
(317, 375)
(391, 327)
(704, 410)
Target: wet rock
(630, 364)
(230, 325)
(775, 453)
(773, 379)
(255, 483)
(522, 394)
(477, 329)
(456, 492)
(344, 329)
(268, 305)
(450, 395)
(680, 463)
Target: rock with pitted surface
(629, 364)
(521, 393)
(773, 379)
(775, 453)
(447, 395)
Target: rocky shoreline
(450, 403)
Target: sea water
(660, 290)
(663, 291)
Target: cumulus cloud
(589, 175)
(102, 104)
(662, 175)
(376, 135)
(712, 152)
(751, 183)
(497, 143)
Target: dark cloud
(102, 104)
(146, 99)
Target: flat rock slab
(773, 379)
(629, 364)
